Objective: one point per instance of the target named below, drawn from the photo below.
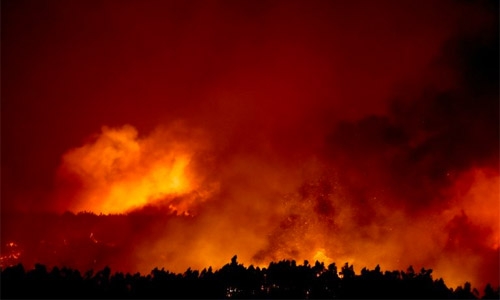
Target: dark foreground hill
(284, 279)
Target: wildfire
(472, 227)
(263, 211)
(120, 172)
(322, 257)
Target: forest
(283, 279)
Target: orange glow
(475, 200)
(294, 218)
(10, 255)
(264, 210)
(121, 172)
(269, 130)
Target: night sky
(359, 131)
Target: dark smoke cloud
(425, 141)
(408, 160)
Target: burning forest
(176, 134)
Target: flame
(263, 209)
(472, 222)
(120, 172)
(321, 256)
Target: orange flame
(262, 210)
(121, 172)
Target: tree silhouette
(282, 279)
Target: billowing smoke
(119, 171)
(276, 172)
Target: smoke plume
(367, 147)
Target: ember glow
(177, 134)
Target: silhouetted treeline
(284, 279)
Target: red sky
(71, 67)
(394, 98)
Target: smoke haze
(362, 132)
